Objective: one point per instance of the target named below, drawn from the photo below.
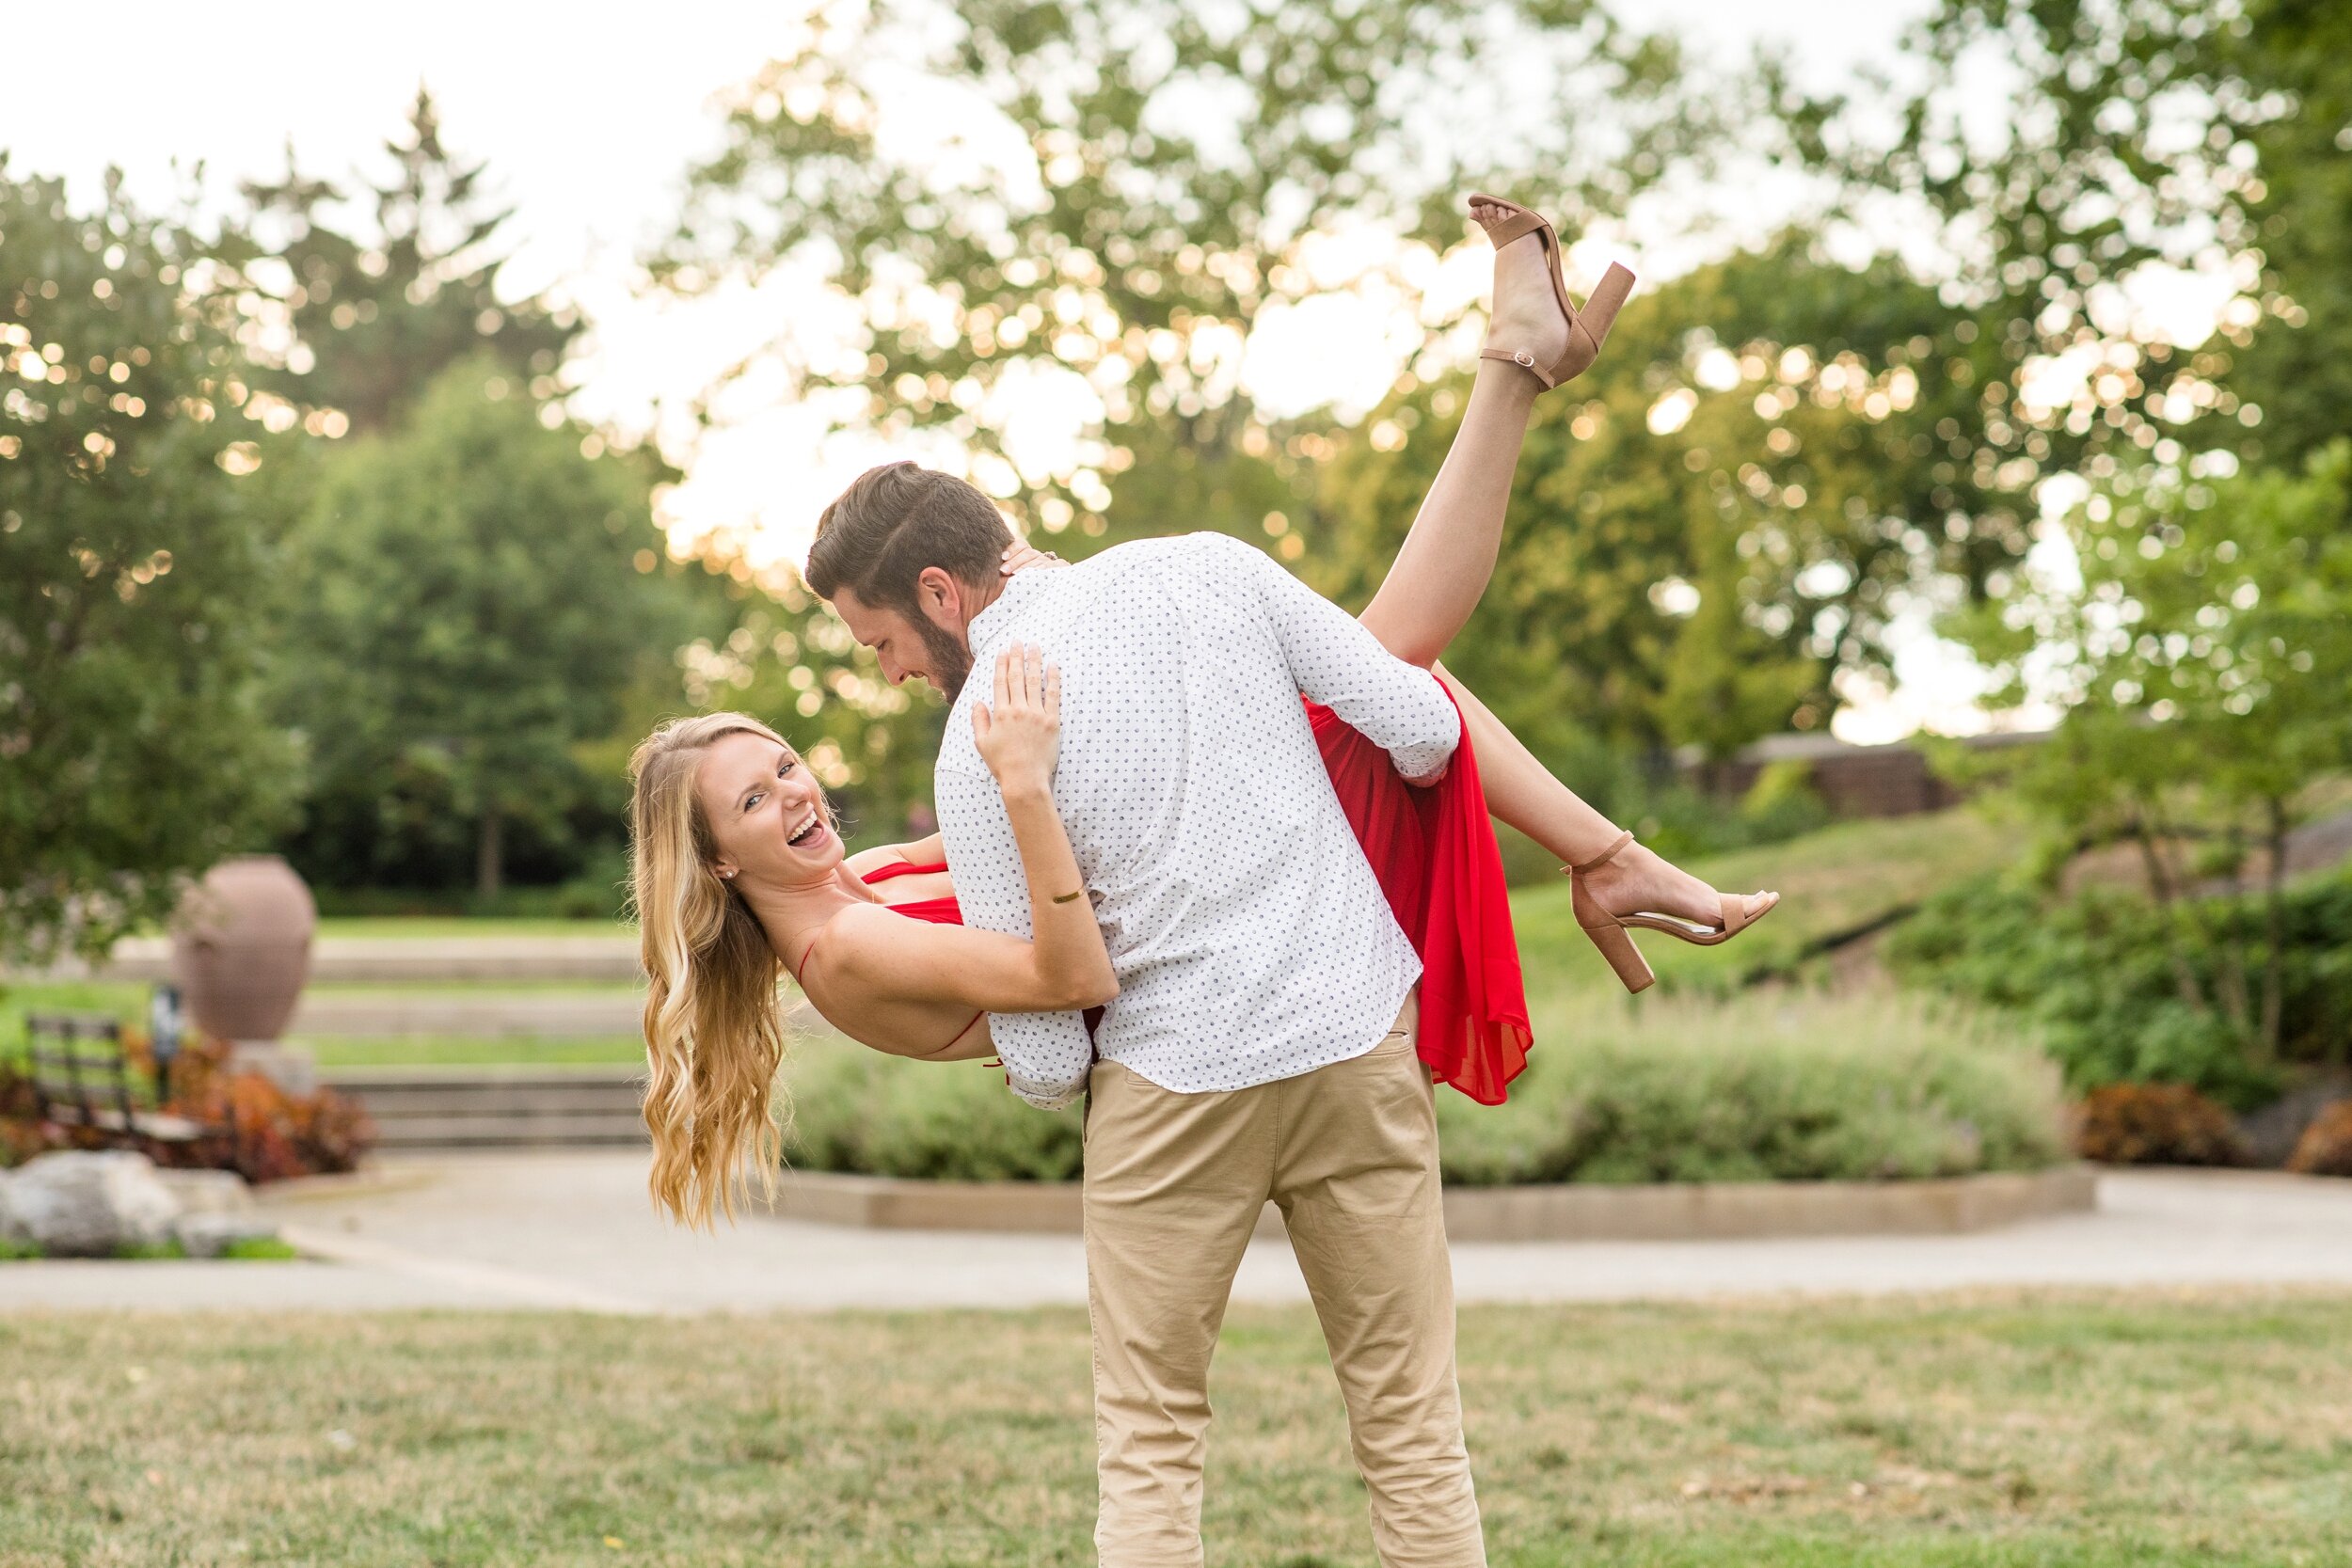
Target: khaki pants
(1174, 1185)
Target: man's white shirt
(1251, 938)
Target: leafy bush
(278, 1135)
(1764, 1088)
(1677, 1091)
(2326, 1146)
(2093, 972)
(2155, 1124)
(858, 1110)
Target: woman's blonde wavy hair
(714, 1024)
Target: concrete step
(519, 1100)
(511, 1133)
(497, 1107)
(597, 953)
(472, 1015)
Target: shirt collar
(990, 624)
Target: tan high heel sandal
(1610, 933)
(1588, 329)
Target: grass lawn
(2060, 1430)
(461, 1050)
(444, 929)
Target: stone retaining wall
(1570, 1213)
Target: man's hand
(1019, 735)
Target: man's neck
(982, 595)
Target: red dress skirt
(1434, 853)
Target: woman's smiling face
(767, 813)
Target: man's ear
(940, 597)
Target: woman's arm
(923, 851)
(1062, 966)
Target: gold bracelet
(1066, 897)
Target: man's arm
(1047, 1055)
(1400, 708)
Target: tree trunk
(2274, 931)
(488, 854)
(2160, 884)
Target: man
(1261, 1046)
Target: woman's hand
(1023, 556)
(1019, 735)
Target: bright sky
(588, 114)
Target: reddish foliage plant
(2155, 1124)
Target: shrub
(1762, 1088)
(858, 1110)
(278, 1135)
(2155, 1124)
(2326, 1146)
(2092, 971)
(1675, 1091)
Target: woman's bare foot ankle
(1638, 880)
(1526, 314)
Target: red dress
(1434, 853)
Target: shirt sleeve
(1398, 707)
(1047, 1055)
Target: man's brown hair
(895, 521)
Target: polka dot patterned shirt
(1250, 937)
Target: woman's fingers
(1025, 684)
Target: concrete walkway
(574, 1232)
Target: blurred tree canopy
(2212, 135)
(383, 296)
(1766, 463)
(1126, 190)
(473, 599)
(133, 746)
(377, 309)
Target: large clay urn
(241, 947)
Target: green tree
(2203, 134)
(476, 598)
(2203, 652)
(133, 749)
(378, 308)
(1129, 188)
(1766, 464)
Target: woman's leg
(1521, 791)
(1443, 568)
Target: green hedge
(1803, 1088)
(2094, 973)
(1765, 1087)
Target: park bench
(83, 1080)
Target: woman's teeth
(806, 830)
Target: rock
(74, 1204)
(208, 1192)
(2271, 1133)
(13, 1228)
(209, 1235)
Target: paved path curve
(574, 1232)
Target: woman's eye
(783, 768)
(753, 804)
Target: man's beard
(951, 658)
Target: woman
(739, 875)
